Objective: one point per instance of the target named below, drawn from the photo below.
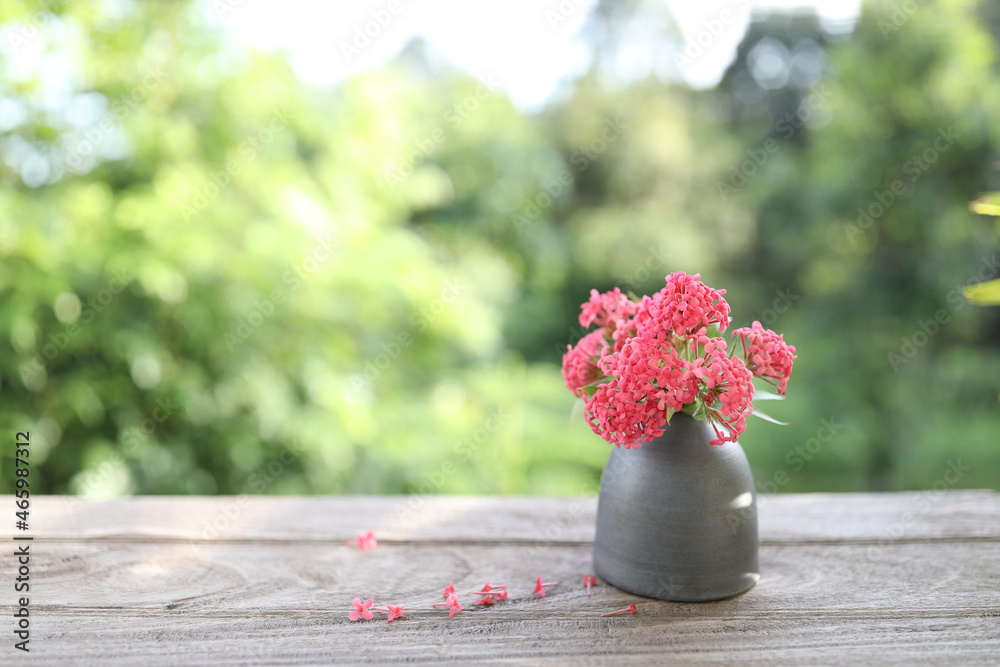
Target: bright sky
(529, 46)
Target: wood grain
(784, 518)
(846, 580)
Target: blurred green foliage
(216, 279)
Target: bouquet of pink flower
(663, 355)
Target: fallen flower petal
(448, 590)
(540, 586)
(499, 594)
(488, 588)
(365, 540)
(394, 610)
(588, 581)
(630, 609)
(361, 610)
(452, 603)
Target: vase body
(677, 517)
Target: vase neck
(685, 430)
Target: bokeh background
(220, 276)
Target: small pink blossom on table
(492, 593)
(452, 603)
(629, 609)
(588, 581)
(394, 611)
(361, 610)
(365, 540)
(540, 586)
(448, 590)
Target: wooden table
(904, 578)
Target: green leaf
(590, 389)
(987, 204)
(670, 413)
(983, 294)
(766, 417)
(762, 395)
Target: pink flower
(540, 586)
(488, 587)
(726, 389)
(681, 308)
(365, 541)
(653, 359)
(767, 354)
(620, 418)
(651, 382)
(606, 309)
(486, 600)
(361, 609)
(452, 603)
(498, 592)
(394, 611)
(624, 329)
(448, 590)
(629, 609)
(588, 581)
(579, 366)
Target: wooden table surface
(847, 579)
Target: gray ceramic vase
(677, 518)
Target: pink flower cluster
(652, 359)
(767, 354)
(580, 366)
